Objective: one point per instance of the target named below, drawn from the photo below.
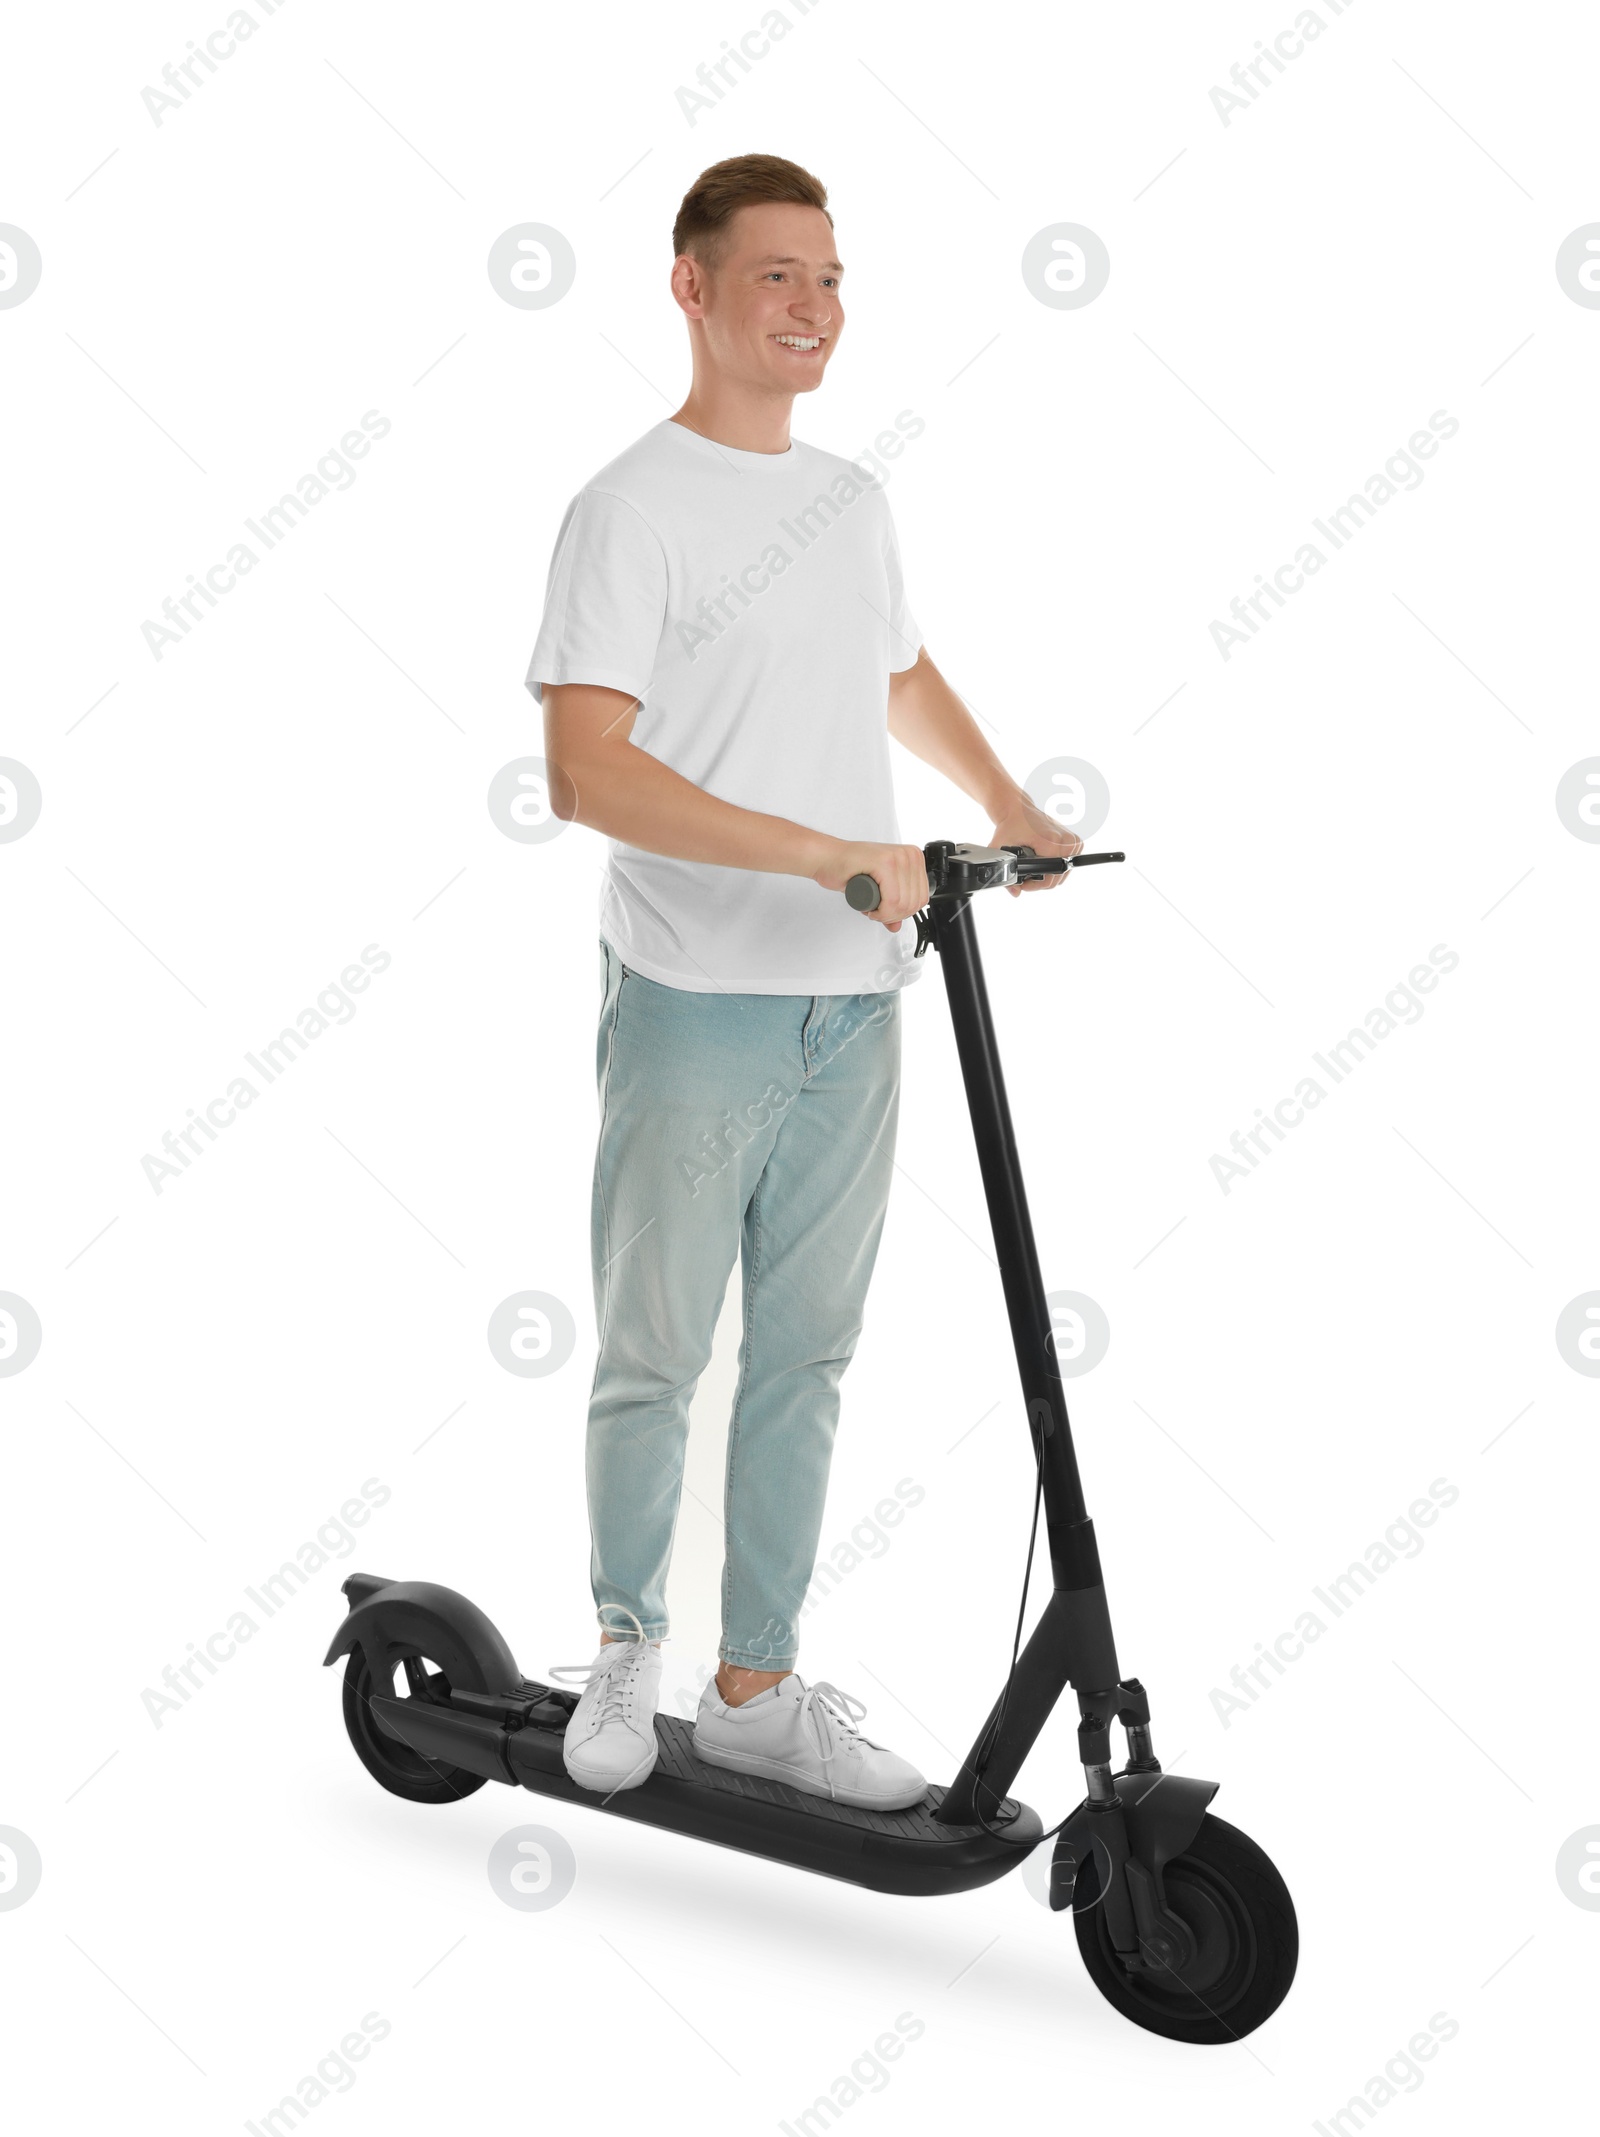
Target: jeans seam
(739, 1392)
(599, 1172)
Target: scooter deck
(484, 1717)
(907, 1852)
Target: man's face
(770, 306)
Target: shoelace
(833, 1716)
(615, 1668)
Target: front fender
(398, 1618)
(1164, 1813)
(1161, 1814)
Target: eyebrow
(775, 259)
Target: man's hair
(719, 193)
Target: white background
(1292, 1363)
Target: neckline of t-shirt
(735, 456)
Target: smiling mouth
(800, 344)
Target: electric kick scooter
(1183, 1923)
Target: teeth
(798, 341)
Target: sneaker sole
(635, 1779)
(776, 1770)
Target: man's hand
(899, 872)
(1025, 824)
(928, 718)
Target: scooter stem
(1072, 1641)
(955, 939)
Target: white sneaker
(610, 1742)
(806, 1735)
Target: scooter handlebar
(863, 894)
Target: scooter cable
(986, 1742)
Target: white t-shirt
(753, 603)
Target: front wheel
(396, 1766)
(1239, 1913)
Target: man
(726, 649)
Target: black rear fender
(390, 1619)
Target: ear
(689, 282)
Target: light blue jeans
(760, 1124)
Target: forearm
(600, 777)
(621, 790)
(927, 718)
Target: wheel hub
(1171, 1950)
(1193, 1949)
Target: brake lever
(1032, 868)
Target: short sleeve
(905, 633)
(606, 600)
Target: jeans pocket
(611, 978)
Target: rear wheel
(395, 1766)
(1246, 1942)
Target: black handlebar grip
(863, 893)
